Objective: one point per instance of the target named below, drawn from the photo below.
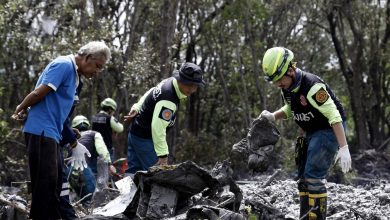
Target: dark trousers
(66, 209)
(46, 175)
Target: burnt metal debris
(188, 191)
(252, 153)
(167, 191)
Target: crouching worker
(84, 182)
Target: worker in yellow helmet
(94, 142)
(310, 102)
(105, 123)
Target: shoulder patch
(166, 114)
(321, 96)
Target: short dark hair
(107, 108)
(82, 126)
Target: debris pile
(253, 153)
(344, 201)
(12, 206)
(372, 165)
(184, 188)
(229, 191)
(187, 191)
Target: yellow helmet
(79, 119)
(276, 61)
(109, 102)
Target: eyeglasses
(99, 67)
(279, 69)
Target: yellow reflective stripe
(276, 62)
(311, 202)
(303, 193)
(312, 215)
(315, 196)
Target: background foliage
(345, 42)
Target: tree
(360, 33)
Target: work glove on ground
(78, 157)
(268, 115)
(345, 158)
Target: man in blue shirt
(49, 105)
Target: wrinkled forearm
(34, 97)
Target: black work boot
(304, 205)
(303, 200)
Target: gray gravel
(344, 201)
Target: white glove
(345, 158)
(267, 115)
(78, 158)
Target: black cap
(190, 73)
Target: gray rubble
(344, 201)
(234, 189)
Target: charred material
(166, 191)
(262, 211)
(212, 213)
(253, 152)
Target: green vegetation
(345, 42)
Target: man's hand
(130, 116)
(77, 132)
(78, 158)
(345, 158)
(19, 114)
(267, 115)
(162, 161)
(111, 170)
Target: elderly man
(49, 105)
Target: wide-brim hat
(190, 73)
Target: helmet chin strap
(296, 80)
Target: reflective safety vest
(101, 123)
(141, 125)
(305, 115)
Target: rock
(384, 199)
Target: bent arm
(116, 125)
(280, 114)
(34, 97)
(160, 123)
(101, 148)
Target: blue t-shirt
(47, 116)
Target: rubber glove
(78, 158)
(268, 115)
(345, 159)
